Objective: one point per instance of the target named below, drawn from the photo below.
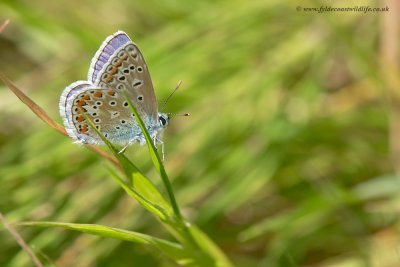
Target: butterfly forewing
(123, 68)
(104, 53)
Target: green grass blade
(142, 185)
(173, 250)
(148, 198)
(205, 251)
(142, 189)
(156, 159)
(208, 246)
(128, 167)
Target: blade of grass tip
(46, 118)
(156, 159)
(174, 250)
(20, 241)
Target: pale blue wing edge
(104, 54)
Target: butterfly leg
(125, 147)
(158, 141)
(162, 150)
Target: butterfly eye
(163, 121)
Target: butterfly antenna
(169, 97)
(171, 115)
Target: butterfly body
(117, 67)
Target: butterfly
(117, 66)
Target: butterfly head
(163, 118)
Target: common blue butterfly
(118, 65)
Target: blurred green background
(288, 159)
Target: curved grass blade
(156, 159)
(207, 253)
(46, 118)
(174, 250)
(32, 105)
(142, 189)
(148, 198)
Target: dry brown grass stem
(46, 118)
(20, 241)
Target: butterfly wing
(107, 49)
(107, 109)
(119, 65)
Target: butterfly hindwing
(107, 109)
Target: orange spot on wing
(81, 103)
(111, 93)
(84, 129)
(114, 70)
(86, 97)
(109, 79)
(82, 110)
(80, 119)
(98, 94)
